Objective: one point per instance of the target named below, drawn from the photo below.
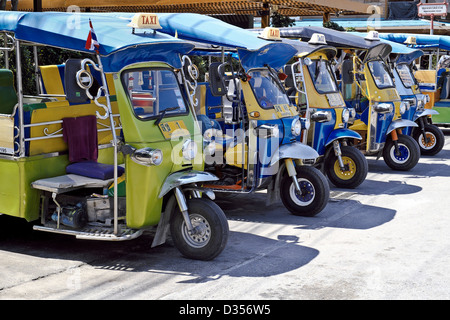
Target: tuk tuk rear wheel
(356, 168)
(409, 153)
(212, 225)
(314, 196)
(435, 142)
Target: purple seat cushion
(93, 169)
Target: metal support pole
(20, 100)
(432, 24)
(114, 142)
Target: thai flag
(91, 42)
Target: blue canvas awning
(252, 51)
(118, 45)
(423, 40)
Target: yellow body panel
(6, 133)
(57, 111)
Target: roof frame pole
(265, 15)
(36, 70)
(20, 100)
(5, 52)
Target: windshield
(267, 90)
(322, 76)
(154, 91)
(405, 75)
(380, 74)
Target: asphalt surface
(387, 239)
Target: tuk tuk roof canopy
(423, 41)
(303, 47)
(252, 50)
(340, 40)
(403, 53)
(118, 45)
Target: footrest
(68, 183)
(93, 233)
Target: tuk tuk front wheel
(211, 230)
(355, 171)
(407, 157)
(434, 142)
(314, 194)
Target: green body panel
(17, 197)
(443, 116)
(144, 183)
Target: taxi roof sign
(372, 36)
(317, 38)
(145, 21)
(270, 33)
(411, 40)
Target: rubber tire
(321, 191)
(358, 159)
(218, 225)
(410, 144)
(439, 136)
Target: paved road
(387, 239)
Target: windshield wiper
(163, 114)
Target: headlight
(209, 147)
(403, 107)
(189, 150)
(296, 127)
(321, 116)
(382, 107)
(345, 115)
(306, 123)
(267, 131)
(147, 156)
(420, 103)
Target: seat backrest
(8, 95)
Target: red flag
(91, 42)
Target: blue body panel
(409, 114)
(383, 122)
(342, 133)
(322, 131)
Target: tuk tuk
(428, 136)
(109, 146)
(313, 87)
(255, 126)
(367, 86)
(432, 72)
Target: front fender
(342, 133)
(426, 112)
(185, 177)
(401, 123)
(294, 150)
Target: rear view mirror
(347, 72)
(216, 79)
(289, 82)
